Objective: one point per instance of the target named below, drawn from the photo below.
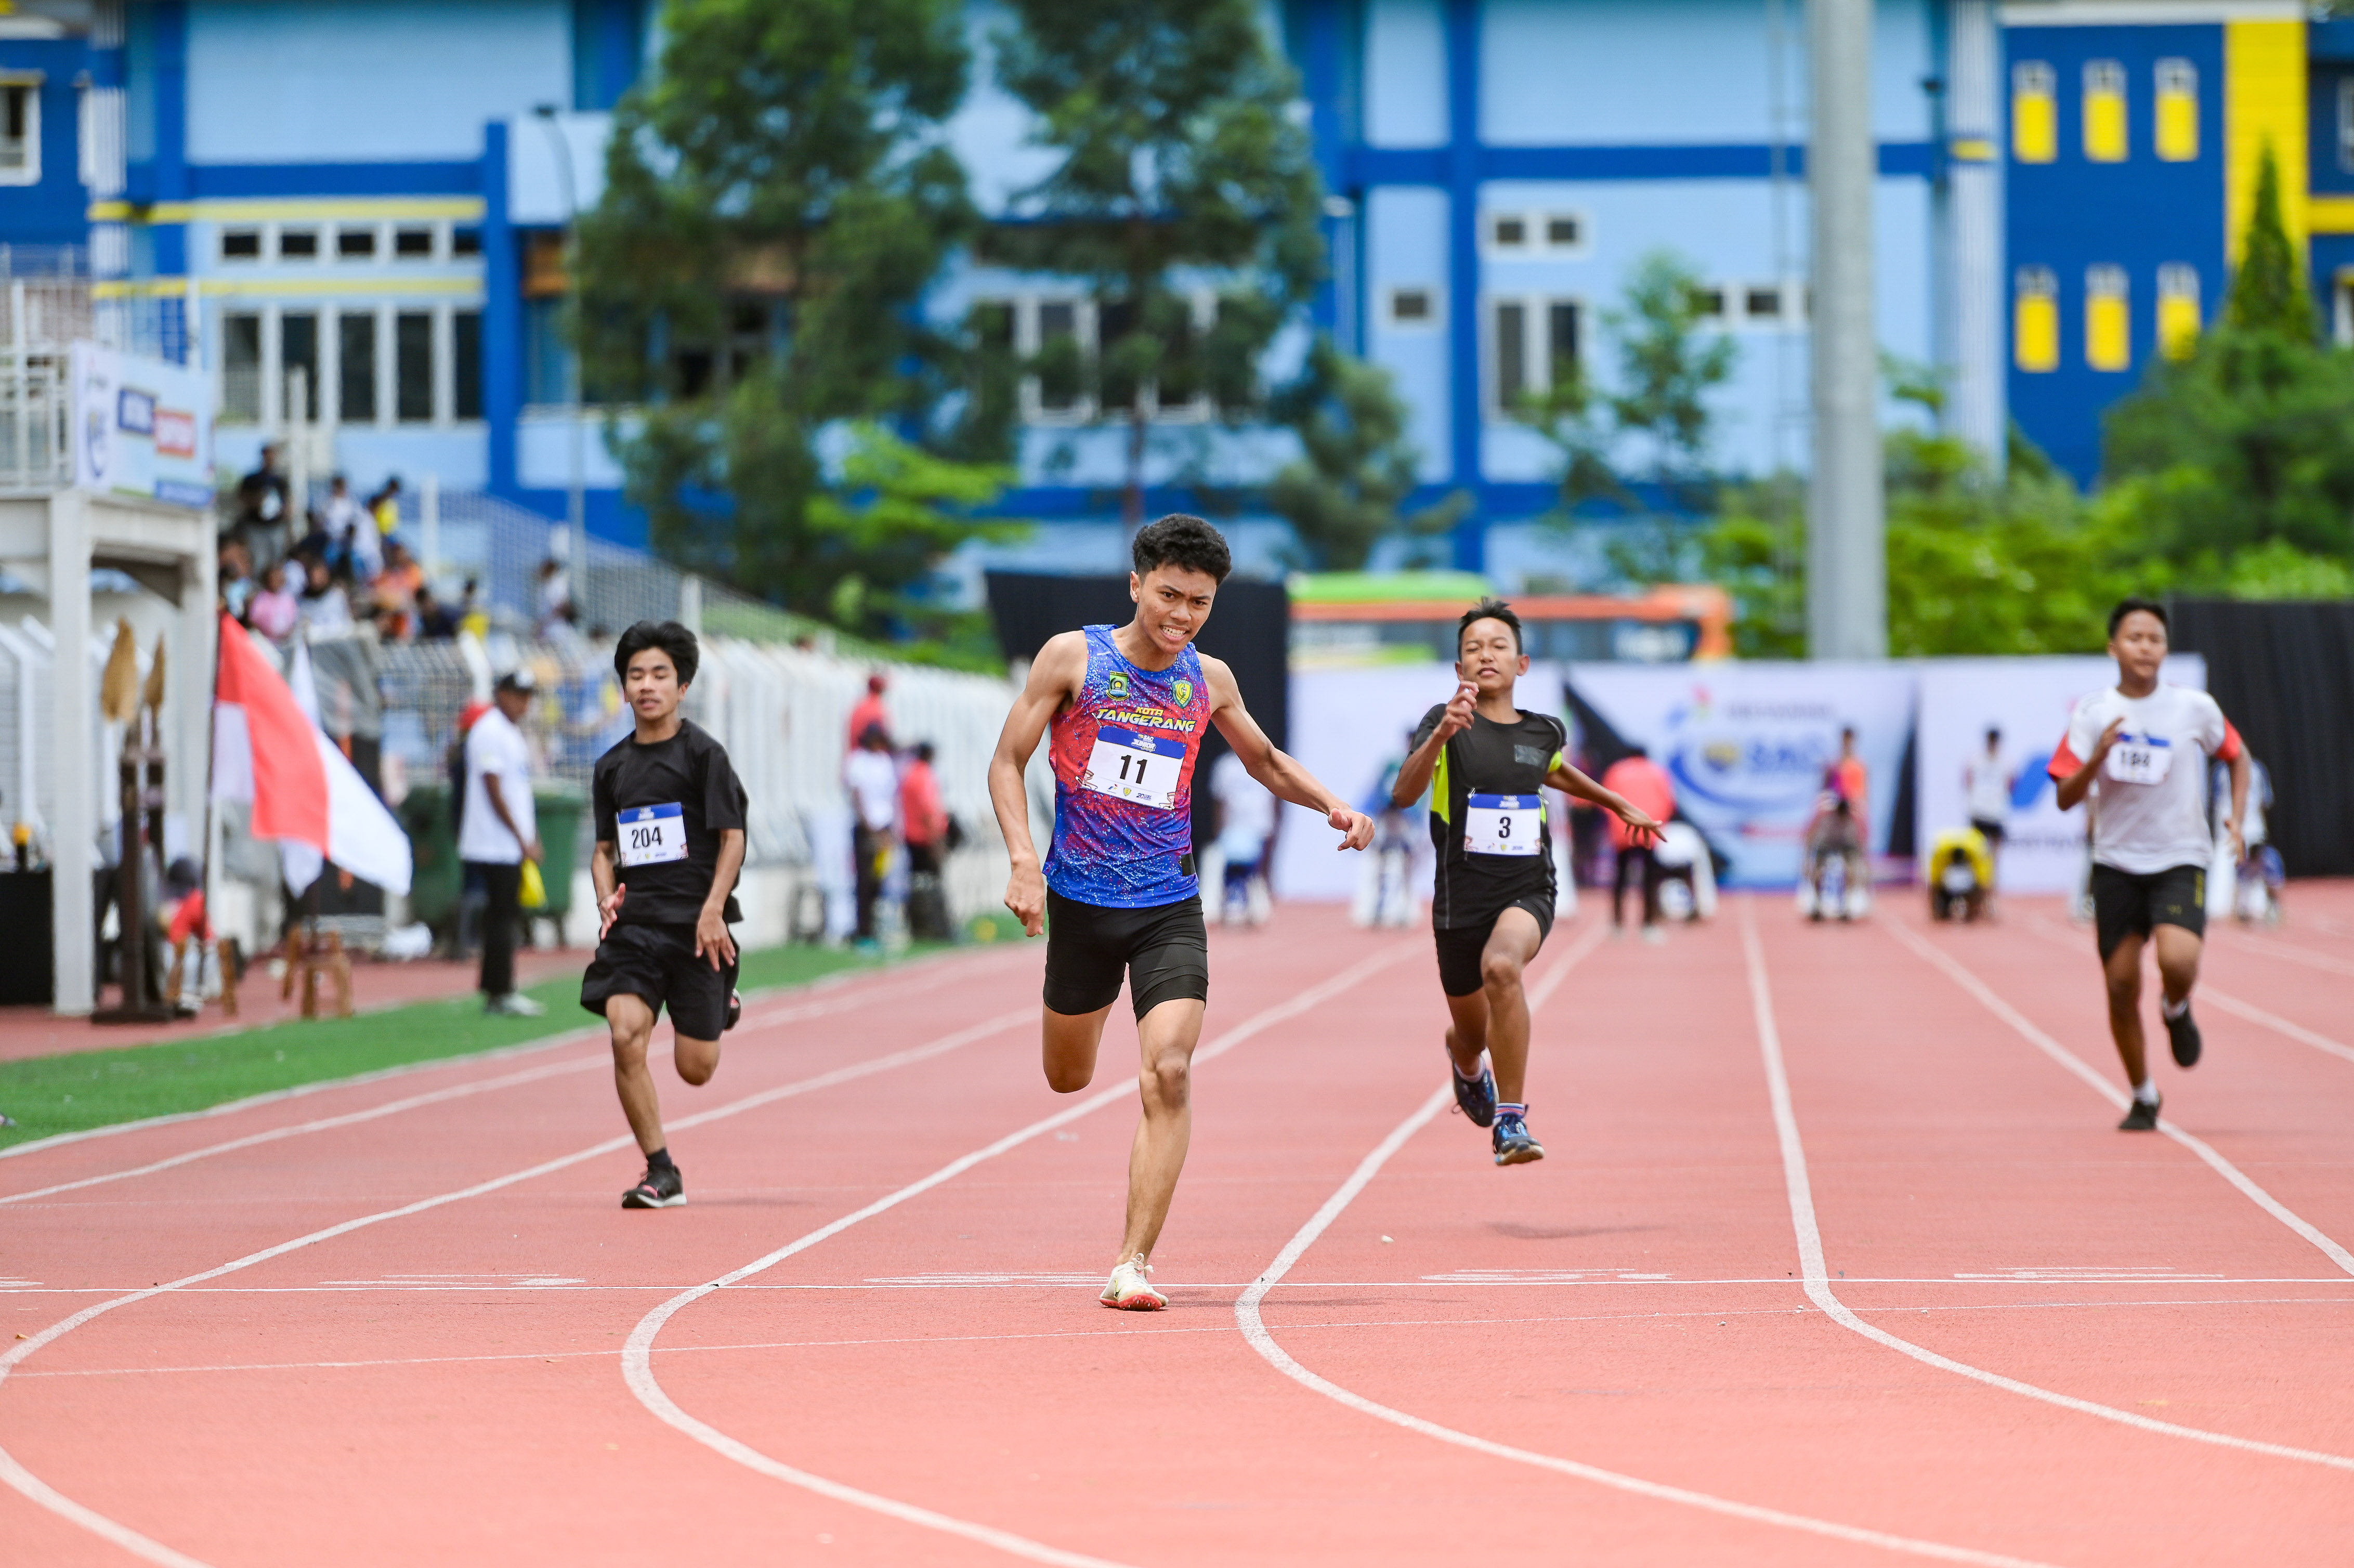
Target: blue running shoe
(1475, 1097)
(1515, 1144)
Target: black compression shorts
(658, 964)
(2125, 905)
(1459, 947)
(1163, 950)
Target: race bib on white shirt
(651, 834)
(1143, 768)
(1503, 824)
(2139, 759)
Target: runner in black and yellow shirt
(1487, 765)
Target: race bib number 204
(1503, 824)
(1139, 768)
(651, 834)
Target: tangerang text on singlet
(1123, 754)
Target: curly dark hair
(2147, 606)
(669, 636)
(1182, 540)
(1491, 610)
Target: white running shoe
(1131, 1290)
(514, 1004)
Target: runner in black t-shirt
(1487, 765)
(670, 840)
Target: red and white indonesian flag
(305, 793)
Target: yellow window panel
(2109, 322)
(2178, 310)
(2035, 321)
(2104, 111)
(2034, 114)
(2177, 125)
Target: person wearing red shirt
(1643, 782)
(924, 824)
(870, 712)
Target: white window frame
(1791, 317)
(1542, 224)
(29, 83)
(1028, 339)
(436, 241)
(1536, 347)
(1536, 241)
(1388, 320)
(334, 253)
(1527, 245)
(330, 311)
(261, 244)
(325, 243)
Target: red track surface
(2095, 1348)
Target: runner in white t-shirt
(2141, 749)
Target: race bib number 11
(651, 834)
(1139, 768)
(2139, 759)
(1503, 824)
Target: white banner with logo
(1747, 746)
(2029, 702)
(142, 427)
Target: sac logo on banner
(1747, 746)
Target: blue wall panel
(48, 213)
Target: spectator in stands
(923, 823)
(873, 781)
(554, 595)
(397, 585)
(325, 606)
(351, 531)
(435, 622)
(1643, 782)
(273, 610)
(385, 505)
(264, 509)
(870, 711)
(498, 833)
(472, 614)
(236, 577)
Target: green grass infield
(73, 1092)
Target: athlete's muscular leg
(1165, 1037)
(632, 1023)
(695, 1060)
(2122, 969)
(2178, 952)
(1469, 1036)
(1511, 945)
(1069, 1044)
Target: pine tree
(2268, 292)
(1181, 166)
(1357, 466)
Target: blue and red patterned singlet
(1123, 755)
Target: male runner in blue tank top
(1128, 706)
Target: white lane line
(636, 1354)
(1816, 1276)
(2278, 1025)
(413, 1102)
(2271, 950)
(595, 1033)
(1248, 1318)
(2116, 1096)
(39, 1491)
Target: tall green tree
(1181, 167)
(1356, 467)
(2244, 445)
(778, 195)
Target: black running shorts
(1459, 947)
(2125, 905)
(659, 964)
(1165, 951)
(1991, 831)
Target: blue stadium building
(373, 193)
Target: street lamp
(575, 500)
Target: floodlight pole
(575, 498)
(1846, 557)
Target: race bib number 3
(1503, 824)
(1139, 768)
(651, 834)
(2139, 759)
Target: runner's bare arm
(711, 937)
(608, 883)
(2241, 776)
(1414, 774)
(1577, 786)
(1055, 675)
(1282, 776)
(2073, 787)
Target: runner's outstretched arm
(1282, 775)
(1054, 675)
(1413, 773)
(2241, 774)
(1577, 786)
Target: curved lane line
(2118, 1098)
(2271, 950)
(1254, 1328)
(1816, 1275)
(391, 1108)
(39, 1491)
(636, 1354)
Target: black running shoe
(1515, 1144)
(659, 1188)
(2141, 1118)
(734, 1012)
(2183, 1035)
(1475, 1097)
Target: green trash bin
(562, 810)
(435, 879)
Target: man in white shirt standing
(1245, 828)
(2141, 750)
(500, 832)
(873, 777)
